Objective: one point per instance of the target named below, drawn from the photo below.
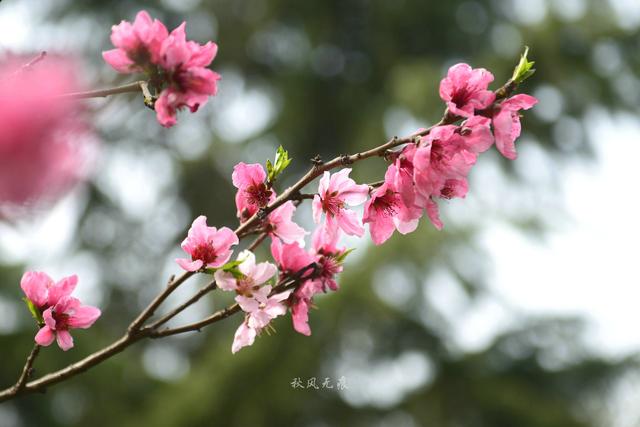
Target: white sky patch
(590, 267)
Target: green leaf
(524, 68)
(34, 311)
(281, 162)
(341, 258)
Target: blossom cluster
(175, 66)
(435, 166)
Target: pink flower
(326, 251)
(253, 194)
(208, 246)
(45, 143)
(60, 311)
(175, 66)
(506, 123)
(465, 90)
(253, 275)
(137, 45)
(68, 313)
(442, 155)
(335, 192)
(386, 212)
(282, 227)
(261, 309)
(190, 84)
(292, 259)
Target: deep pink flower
(291, 258)
(137, 45)
(442, 155)
(465, 90)
(261, 309)
(253, 194)
(68, 313)
(254, 275)
(45, 143)
(60, 311)
(326, 250)
(386, 211)
(335, 192)
(190, 84)
(208, 246)
(281, 226)
(506, 123)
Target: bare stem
(139, 86)
(195, 298)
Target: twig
(151, 308)
(27, 370)
(195, 298)
(139, 86)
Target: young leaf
(524, 68)
(34, 311)
(281, 162)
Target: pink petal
(349, 223)
(189, 265)
(244, 336)
(35, 286)
(263, 272)
(65, 340)
(45, 336)
(47, 315)
(316, 207)
(62, 289)
(245, 175)
(84, 316)
(434, 215)
(165, 111)
(119, 60)
(225, 280)
(248, 305)
(300, 317)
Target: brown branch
(139, 86)
(195, 298)
(136, 332)
(27, 370)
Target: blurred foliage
(331, 76)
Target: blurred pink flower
(253, 194)
(45, 144)
(335, 192)
(59, 310)
(208, 246)
(465, 90)
(137, 45)
(506, 123)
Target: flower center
(332, 204)
(461, 97)
(205, 253)
(386, 204)
(258, 194)
(62, 320)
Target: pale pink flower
(137, 45)
(46, 145)
(261, 309)
(253, 275)
(335, 193)
(464, 89)
(506, 123)
(209, 247)
(386, 211)
(60, 311)
(281, 226)
(253, 193)
(190, 84)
